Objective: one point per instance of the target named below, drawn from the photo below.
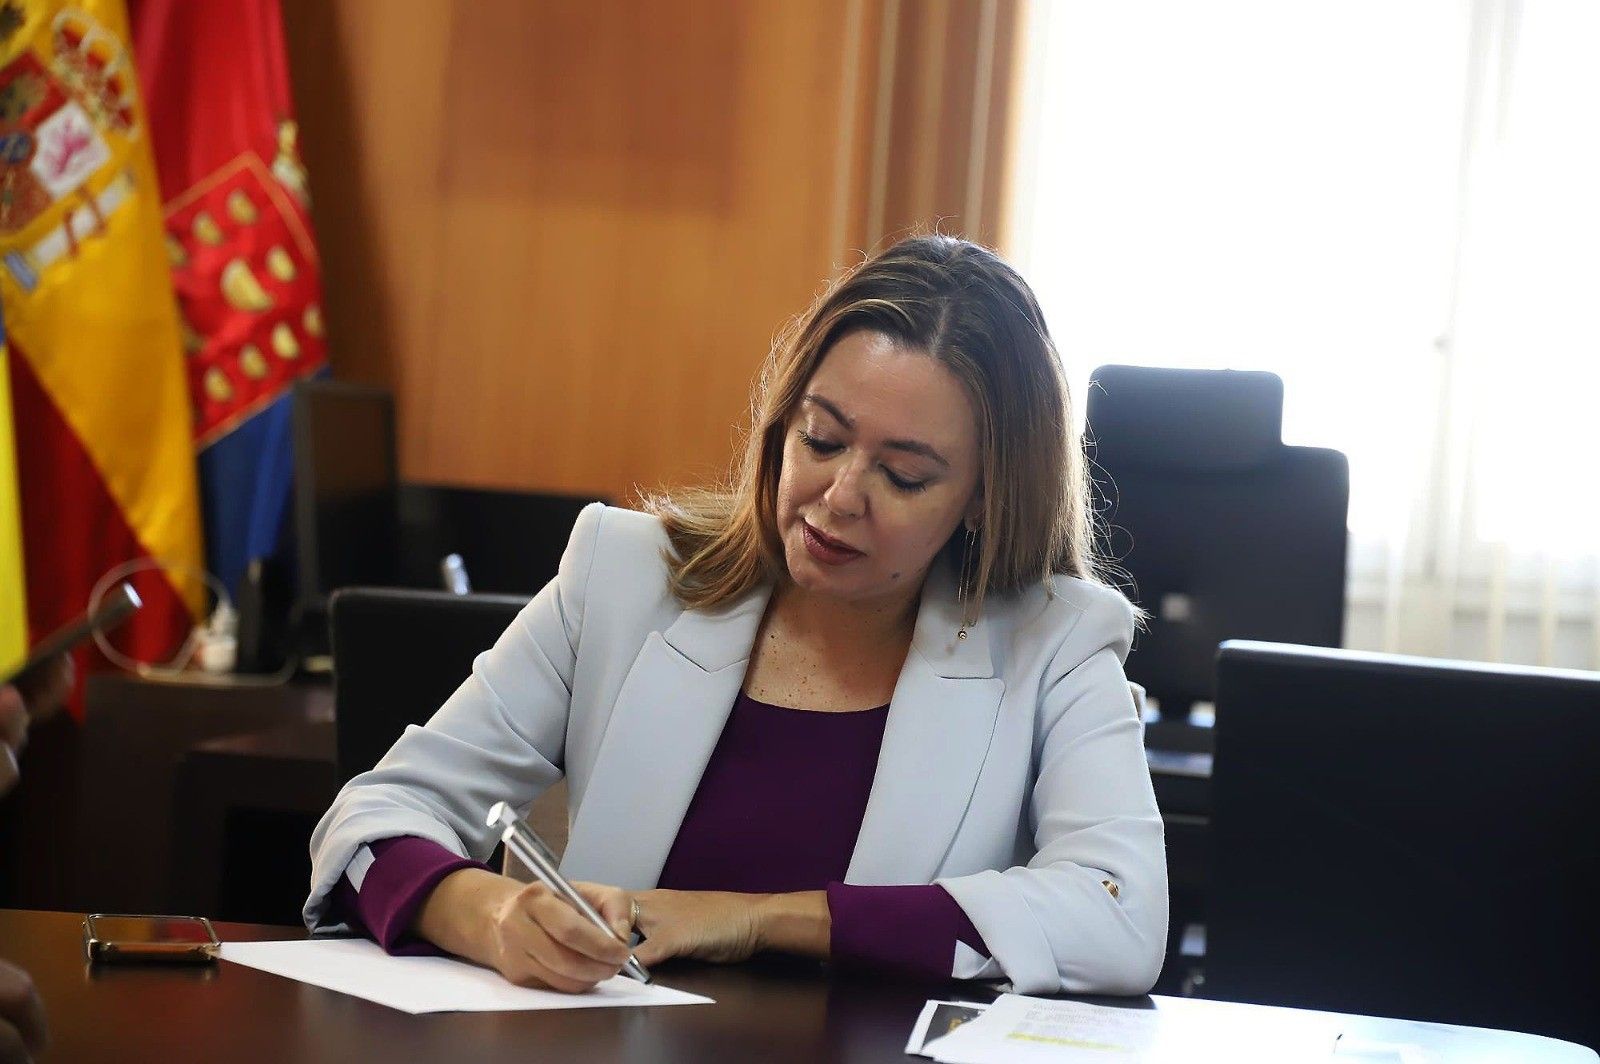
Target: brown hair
(964, 306)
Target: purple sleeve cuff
(403, 873)
(912, 930)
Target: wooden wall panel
(565, 232)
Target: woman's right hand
(525, 931)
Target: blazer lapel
(664, 726)
(941, 719)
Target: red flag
(244, 264)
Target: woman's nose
(846, 496)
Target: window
(1395, 207)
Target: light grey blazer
(1012, 770)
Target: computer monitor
(346, 489)
(1407, 837)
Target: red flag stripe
(73, 532)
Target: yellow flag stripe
(13, 591)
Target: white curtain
(1395, 207)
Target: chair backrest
(397, 655)
(1225, 532)
(1407, 837)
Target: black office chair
(510, 541)
(1408, 837)
(397, 655)
(1225, 532)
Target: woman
(865, 703)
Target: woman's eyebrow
(911, 446)
(918, 447)
(828, 405)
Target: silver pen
(530, 849)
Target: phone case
(106, 951)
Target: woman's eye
(902, 484)
(827, 448)
(819, 446)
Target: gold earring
(964, 589)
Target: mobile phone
(123, 938)
(116, 608)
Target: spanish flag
(100, 411)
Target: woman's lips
(825, 548)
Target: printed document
(1028, 1030)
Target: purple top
(777, 810)
(780, 802)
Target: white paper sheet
(430, 984)
(1025, 1030)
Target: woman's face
(880, 465)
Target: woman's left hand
(708, 925)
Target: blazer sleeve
(500, 736)
(1088, 913)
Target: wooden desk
(242, 818)
(135, 733)
(773, 1010)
